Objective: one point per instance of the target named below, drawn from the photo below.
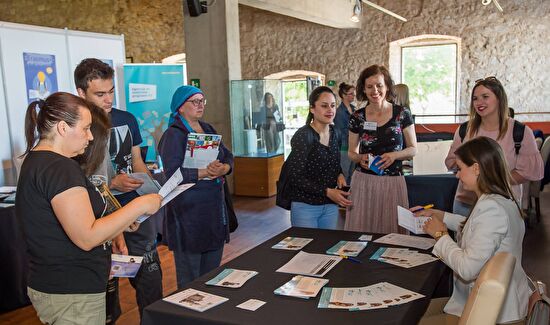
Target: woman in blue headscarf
(196, 221)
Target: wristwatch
(439, 234)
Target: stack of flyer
(402, 257)
(195, 299)
(380, 295)
(347, 248)
(231, 278)
(310, 264)
(302, 287)
(292, 243)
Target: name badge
(370, 126)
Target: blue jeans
(461, 208)
(313, 216)
(190, 265)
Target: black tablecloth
(14, 263)
(438, 190)
(288, 310)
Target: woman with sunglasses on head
(314, 164)
(341, 124)
(196, 221)
(63, 216)
(381, 129)
(494, 225)
(489, 116)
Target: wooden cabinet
(257, 176)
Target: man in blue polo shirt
(94, 83)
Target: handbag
(539, 304)
(232, 221)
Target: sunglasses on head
(490, 79)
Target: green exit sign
(196, 83)
(331, 83)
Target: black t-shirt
(57, 265)
(386, 138)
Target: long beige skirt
(375, 200)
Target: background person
(271, 122)
(341, 124)
(62, 215)
(489, 117)
(378, 129)
(196, 224)
(314, 165)
(401, 92)
(94, 82)
(494, 225)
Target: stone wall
(152, 30)
(513, 45)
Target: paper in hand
(407, 220)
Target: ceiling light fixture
(488, 2)
(389, 12)
(357, 9)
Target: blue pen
(353, 259)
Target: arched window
(430, 66)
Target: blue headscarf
(181, 95)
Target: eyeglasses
(490, 79)
(197, 102)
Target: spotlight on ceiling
(488, 2)
(356, 11)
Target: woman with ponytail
(63, 215)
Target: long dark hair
(372, 71)
(313, 97)
(496, 88)
(93, 156)
(42, 115)
(494, 176)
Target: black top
(57, 265)
(313, 167)
(386, 138)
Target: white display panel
(7, 174)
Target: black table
(288, 310)
(438, 190)
(14, 265)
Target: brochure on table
(195, 299)
(125, 266)
(301, 287)
(402, 257)
(407, 220)
(380, 295)
(347, 248)
(202, 149)
(310, 264)
(231, 278)
(292, 243)
(405, 240)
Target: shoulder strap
(462, 131)
(519, 130)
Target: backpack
(283, 184)
(517, 133)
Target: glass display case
(257, 119)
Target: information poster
(149, 89)
(40, 75)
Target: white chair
(487, 296)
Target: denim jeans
(314, 216)
(190, 265)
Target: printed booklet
(292, 243)
(125, 266)
(302, 287)
(402, 257)
(201, 150)
(231, 278)
(195, 299)
(347, 248)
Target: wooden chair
(487, 296)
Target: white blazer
(494, 225)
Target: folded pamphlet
(405, 240)
(347, 248)
(402, 257)
(195, 299)
(292, 243)
(407, 220)
(125, 266)
(301, 287)
(231, 278)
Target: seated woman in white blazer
(494, 225)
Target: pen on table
(426, 207)
(351, 259)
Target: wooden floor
(260, 219)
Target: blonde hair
(401, 92)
